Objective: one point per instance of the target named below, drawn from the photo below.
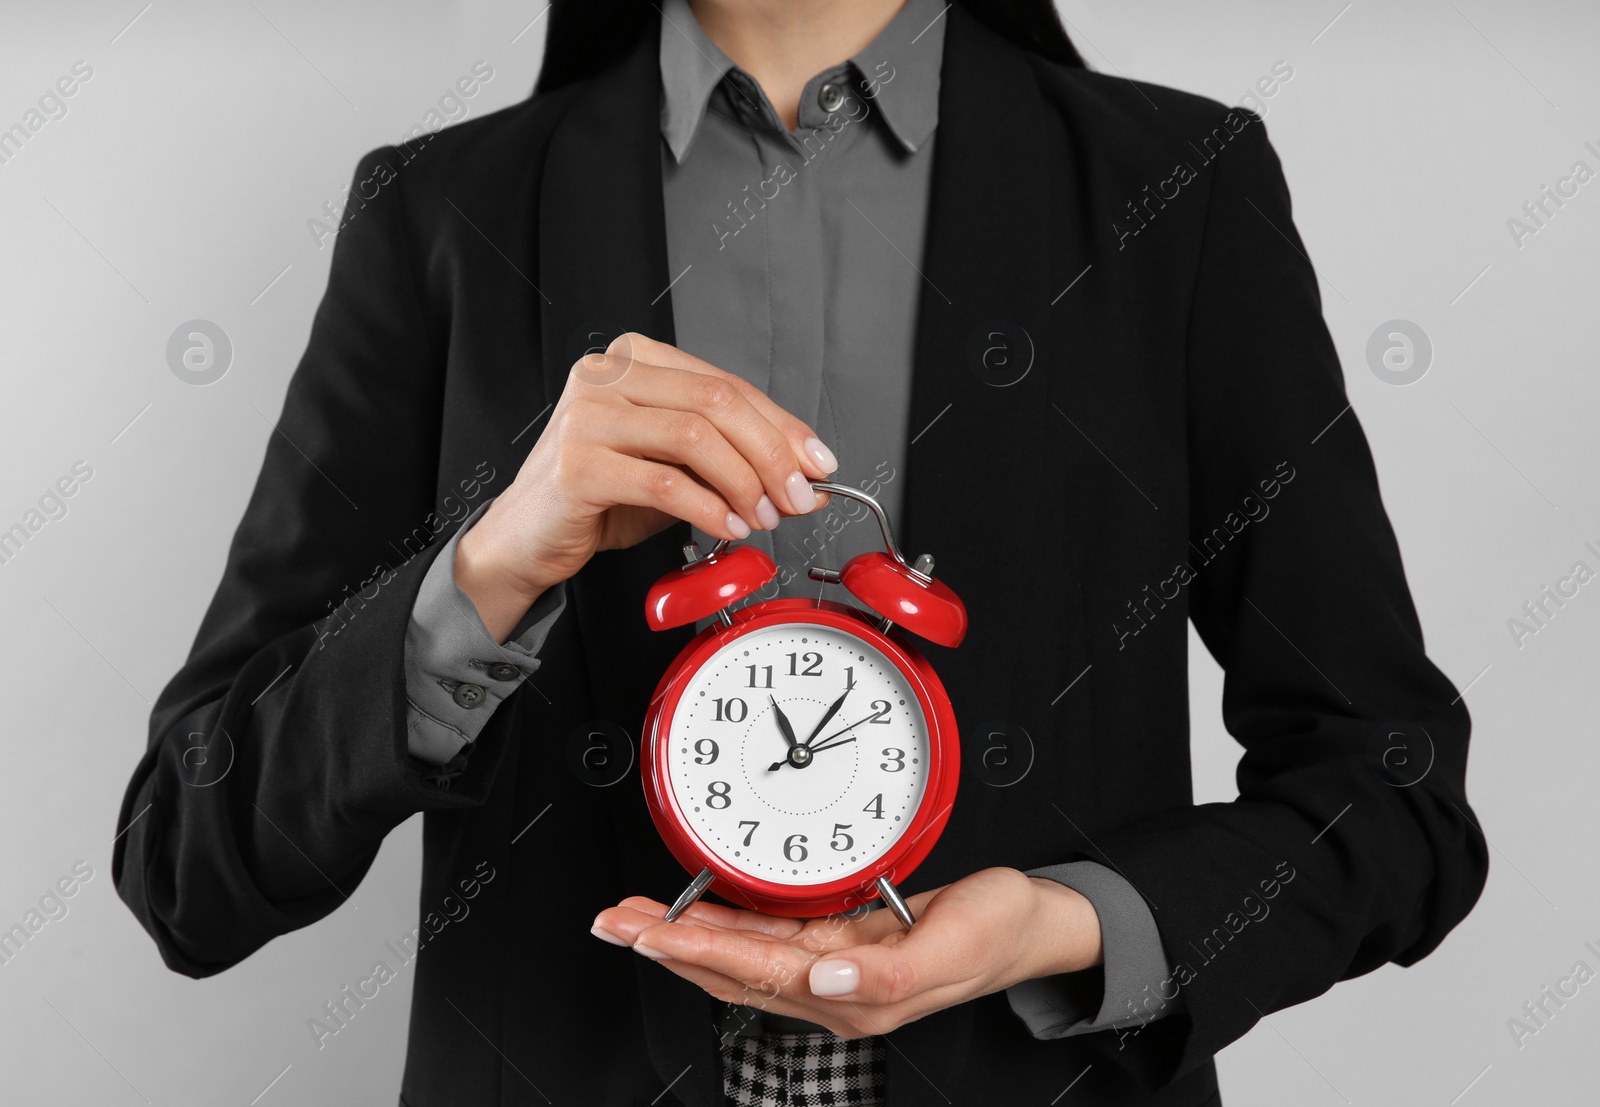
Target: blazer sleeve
(277, 756)
(1351, 843)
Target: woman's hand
(642, 435)
(870, 975)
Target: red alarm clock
(800, 756)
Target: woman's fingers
(643, 912)
(692, 441)
(718, 399)
(856, 976)
(749, 417)
(615, 478)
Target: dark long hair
(586, 35)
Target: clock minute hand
(826, 718)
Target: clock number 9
(706, 756)
(896, 762)
(714, 796)
(732, 711)
(794, 848)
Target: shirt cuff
(456, 673)
(1125, 990)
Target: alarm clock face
(814, 817)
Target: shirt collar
(901, 65)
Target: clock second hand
(825, 743)
(830, 745)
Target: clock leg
(694, 891)
(891, 895)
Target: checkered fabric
(803, 1070)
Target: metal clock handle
(922, 566)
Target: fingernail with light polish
(801, 496)
(738, 526)
(766, 514)
(821, 455)
(607, 936)
(835, 978)
(653, 954)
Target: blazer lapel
(993, 249)
(603, 268)
(986, 461)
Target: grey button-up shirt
(795, 259)
(795, 253)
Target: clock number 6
(794, 848)
(714, 796)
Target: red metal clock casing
(857, 888)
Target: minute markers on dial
(797, 803)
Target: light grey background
(178, 186)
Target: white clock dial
(861, 785)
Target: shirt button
(502, 671)
(830, 97)
(468, 696)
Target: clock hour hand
(783, 723)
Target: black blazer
(1186, 370)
